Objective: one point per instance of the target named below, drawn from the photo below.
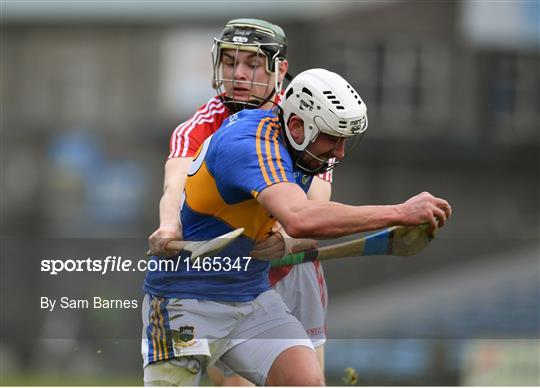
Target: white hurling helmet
(326, 103)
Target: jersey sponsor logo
(183, 336)
(305, 179)
(232, 119)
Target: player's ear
(296, 128)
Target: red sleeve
(188, 136)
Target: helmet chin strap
(324, 165)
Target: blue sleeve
(250, 158)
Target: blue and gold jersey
(245, 156)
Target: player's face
(245, 76)
(322, 149)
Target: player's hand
(158, 240)
(273, 247)
(302, 244)
(425, 208)
(279, 244)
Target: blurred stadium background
(91, 92)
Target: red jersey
(188, 137)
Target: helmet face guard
(218, 82)
(325, 164)
(256, 36)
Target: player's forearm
(176, 170)
(330, 219)
(169, 208)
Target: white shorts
(247, 337)
(304, 291)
